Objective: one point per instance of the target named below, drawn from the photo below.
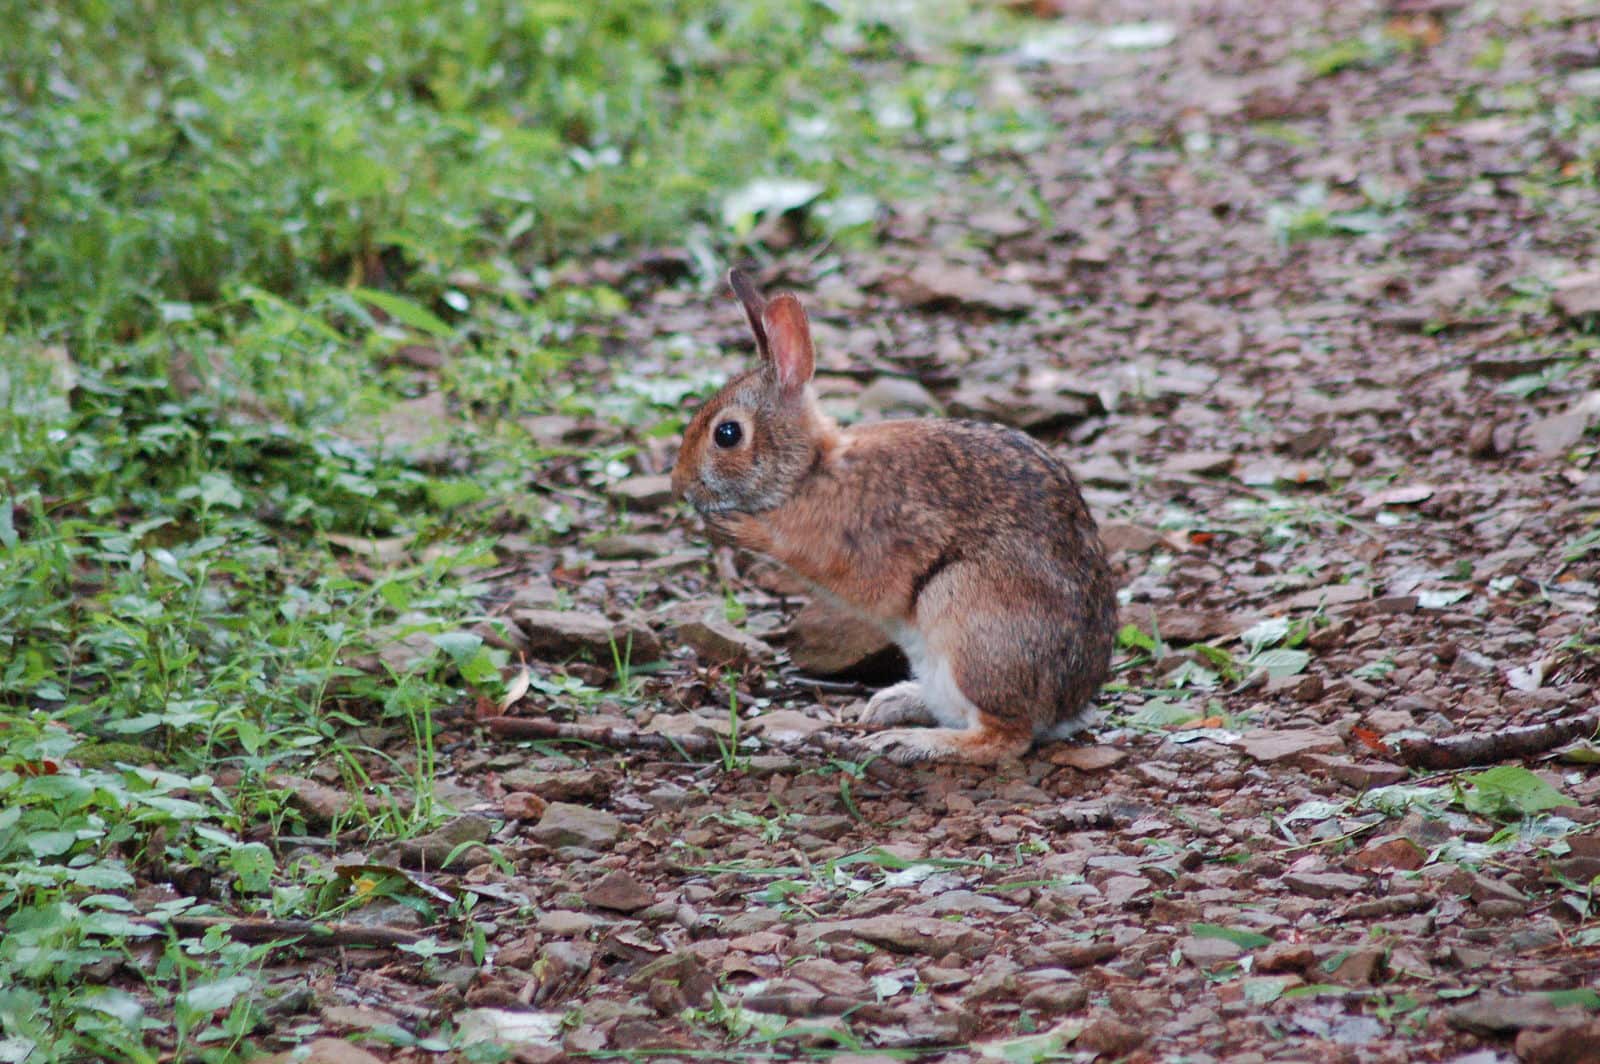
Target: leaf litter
(1217, 873)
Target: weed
(728, 748)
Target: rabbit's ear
(745, 289)
(789, 339)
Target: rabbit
(968, 543)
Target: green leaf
(769, 196)
(254, 866)
(217, 489)
(115, 925)
(1030, 1049)
(1265, 633)
(1281, 661)
(1239, 937)
(1264, 990)
(1315, 990)
(1438, 599)
(206, 998)
(8, 530)
(1587, 997)
(1582, 752)
(461, 646)
(448, 494)
(50, 843)
(1509, 791)
(1131, 637)
(118, 1004)
(406, 312)
(103, 876)
(483, 668)
(1159, 713)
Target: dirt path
(1292, 291)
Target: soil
(1269, 312)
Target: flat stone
(1121, 890)
(786, 997)
(1498, 1014)
(1196, 463)
(1360, 775)
(902, 934)
(1110, 1038)
(1485, 888)
(566, 923)
(356, 1018)
(1324, 884)
(970, 901)
(717, 642)
(522, 805)
(1578, 295)
(1029, 409)
(1389, 852)
(1555, 435)
(896, 393)
(563, 786)
(1071, 953)
(644, 492)
(833, 978)
(564, 633)
(576, 825)
(1285, 957)
(786, 726)
(1120, 537)
(449, 841)
(320, 803)
(1208, 953)
(1271, 745)
(1360, 967)
(620, 892)
(670, 796)
(631, 547)
(829, 826)
(1054, 999)
(689, 726)
(945, 978)
(1328, 596)
(325, 1051)
(1088, 758)
(1568, 1044)
(942, 284)
(827, 641)
(1181, 626)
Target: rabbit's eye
(728, 434)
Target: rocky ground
(1306, 295)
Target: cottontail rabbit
(967, 542)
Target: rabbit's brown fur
(969, 543)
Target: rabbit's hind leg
(901, 704)
(987, 743)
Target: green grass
(167, 160)
(221, 226)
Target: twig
(1314, 843)
(312, 932)
(1459, 751)
(691, 745)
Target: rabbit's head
(759, 436)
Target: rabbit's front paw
(900, 704)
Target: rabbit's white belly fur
(947, 705)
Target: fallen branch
(1460, 751)
(690, 745)
(312, 932)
